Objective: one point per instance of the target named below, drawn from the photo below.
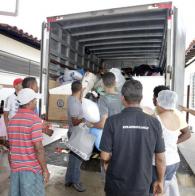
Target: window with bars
(16, 64)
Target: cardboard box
(57, 108)
(53, 84)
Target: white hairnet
(167, 99)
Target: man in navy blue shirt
(130, 140)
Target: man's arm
(4, 142)
(159, 160)
(46, 129)
(160, 169)
(74, 109)
(37, 138)
(6, 119)
(40, 153)
(106, 143)
(191, 112)
(101, 123)
(185, 109)
(185, 135)
(103, 108)
(76, 121)
(6, 109)
(105, 156)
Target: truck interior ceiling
(134, 40)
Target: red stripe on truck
(53, 19)
(165, 6)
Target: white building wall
(17, 48)
(14, 47)
(189, 71)
(7, 79)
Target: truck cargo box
(147, 35)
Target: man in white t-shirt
(11, 104)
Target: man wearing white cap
(27, 159)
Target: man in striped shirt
(27, 159)
(31, 82)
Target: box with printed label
(57, 107)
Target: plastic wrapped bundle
(98, 135)
(76, 75)
(90, 111)
(81, 142)
(69, 75)
(88, 82)
(81, 71)
(120, 79)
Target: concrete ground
(55, 187)
(93, 184)
(186, 184)
(92, 180)
(187, 149)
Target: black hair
(2, 107)
(132, 91)
(28, 82)
(109, 79)
(159, 88)
(76, 86)
(23, 106)
(92, 97)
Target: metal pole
(188, 102)
(41, 68)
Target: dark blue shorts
(169, 173)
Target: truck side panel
(178, 56)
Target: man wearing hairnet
(175, 130)
(184, 129)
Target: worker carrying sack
(81, 142)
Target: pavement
(186, 184)
(55, 187)
(187, 149)
(93, 183)
(92, 179)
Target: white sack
(88, 81)
(76, 75)
(70, 75)
(67, 75)
(90, 111)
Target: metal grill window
(15, 64)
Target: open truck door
(176, 39)
(120, 37)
